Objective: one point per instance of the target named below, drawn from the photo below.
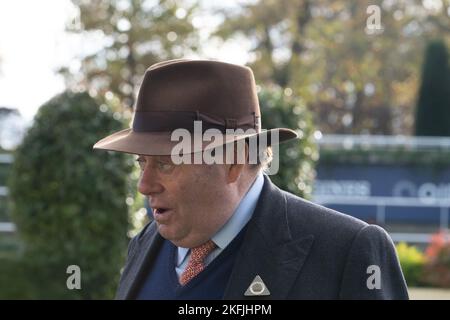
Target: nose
(149, 182)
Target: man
(223, 230)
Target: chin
(167, 232)
(164, 231)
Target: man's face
(190, 202)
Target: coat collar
(140, 262)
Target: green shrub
(9, 245)
(3, 209)
(68, 200)
(296, 158)
(433, 105)
(4, 171)
(412, 262)
(14, 280)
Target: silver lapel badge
(257, 288)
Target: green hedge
(436, 158)
(412, 262)
(4, 172)
(4, 215)
(296, 158)
(14, 280)
(68, 200)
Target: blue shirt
(230, 229)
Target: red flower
(438, 241)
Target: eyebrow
(157, 157)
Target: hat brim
(159, 143)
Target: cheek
(194, 197)
(184, 195)
(196, 191)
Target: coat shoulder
(306, 217)
(146, 234)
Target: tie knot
(198, 254)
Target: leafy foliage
(435, 158)
(133, 34)
(68, 201)
(412, 262)
(354, 81)
(279, 108)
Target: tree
(68, 201)
(354, 81)
(433, 106)
(276, 30)
(136, 34)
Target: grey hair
(265, 157)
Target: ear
(234, 170)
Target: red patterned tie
(196, 261)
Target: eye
(165, 167)
(141, 162)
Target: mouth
(162, 214)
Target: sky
(33, 44)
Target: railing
(7, 227)
(6, 158)
(382, 202)
(411, 237)
(3, 191)
(348, 141)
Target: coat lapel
(138, 264)
(269, 250)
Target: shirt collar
(241, 216)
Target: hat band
(163, 121)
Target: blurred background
(366, 84)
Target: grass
(429, 294)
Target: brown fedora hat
(175, 93)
